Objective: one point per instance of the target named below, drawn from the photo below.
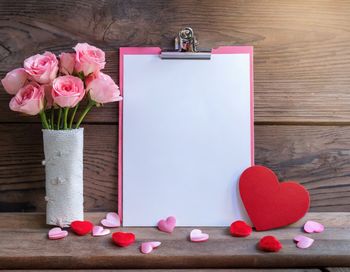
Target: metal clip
(186, 41)
(185, 47)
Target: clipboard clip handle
(185, 47)
(186, 41)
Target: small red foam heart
(82, 227)
(123, 239)
(269, 203)
(240, 229)
(270, 244)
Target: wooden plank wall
(302, 85)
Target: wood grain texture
(302, 57)
(22, 175)
(24, 246)
(318, 157)
(36, 220)
(337, 269)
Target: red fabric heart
(240, 229)
(81, 227)
(123, 239)
(270, 244)
(271, 204)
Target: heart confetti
(313, 226)
(123, 239)
(100, 231)
(167, 225)
(57, 233)
(270, 244)
(147, 247)
(112, 220)
(198, 236)
(81, 227)
(240, 229)
(303, 241)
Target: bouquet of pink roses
(53, 88)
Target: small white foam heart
(57, 233)
(313, 226)
(100, 231)
(198, 236)
(112, 220)
(303, 241)
(147, 247)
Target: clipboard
(186, 133)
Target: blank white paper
(186, 139)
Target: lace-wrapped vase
(64, 176)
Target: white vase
(64, 176)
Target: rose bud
(14, 80)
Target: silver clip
(185, 47)
(186, 41)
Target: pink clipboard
(124, 51)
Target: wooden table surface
(24, 245)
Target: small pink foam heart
(57, 233)
(167, 225)
(147, 247)
(112, 220)
(198, 236)
(303, 241)
(313, 226)
(100, 231)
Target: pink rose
(29, 99)
(67, 91)
(14, 80)
(67, 63)
(88, 59)
(102, 89)
(43, 68)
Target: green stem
(52, 118)
(73, 115)
(62, 120)
(47, 121)
(44, 120)
(87, 109)
(65, 123)
(59, 119)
